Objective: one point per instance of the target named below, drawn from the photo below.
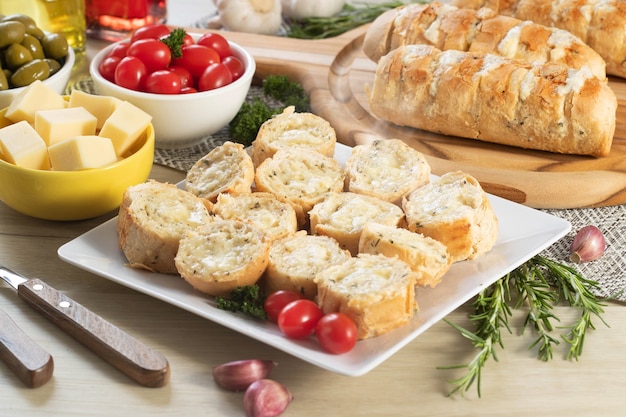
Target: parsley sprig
(539, 285)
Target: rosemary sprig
(491, 315)
(535, 291)
(351, 16)
(576, 290)
(540, 284)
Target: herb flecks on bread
(455, 210)
(376, 291)
(152, 219)
(225, 254)
(226, 169)
(387, 169)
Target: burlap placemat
(609, 271)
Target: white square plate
(524, 232)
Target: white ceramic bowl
(58, 82)
(182, 120)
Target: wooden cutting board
(335, 71)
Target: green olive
(34, 46)
(4, 83)
(28, 22)
(11, 32)
(54, 45)
(17, 55)
(37, 69)
(55, 66)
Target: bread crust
(545, 107)
(455, 210)
(152, 219)
(377, 292)
(601, 25)
(427, 257)
(342, 216)
(226, 169)
(387, 169)
(291, 129)
(446, 27)
(295, 260)
(225, 254)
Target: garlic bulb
(238, 375)
(250, 16)
(299, 9)
(588, 245)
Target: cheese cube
(125, 126)
(21, 145)
(81, 152)
(100, 106)
(37, 96)
(59, 124)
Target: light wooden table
(408, 384)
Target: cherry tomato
(196, 58)
(277, 300)
(235, 66)
(298, 319)
(119, 49)
(130, 73)
(336, 333)
(156, 31)
(153, 53)
(214, 76)
(217, 42)
(163, 82)
(107, 67)
(188, 40)
(187, 90)
(186, 79)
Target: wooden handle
(29, 361)
(133, 358)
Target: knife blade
(29, 361)
(130, 356)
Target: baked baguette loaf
(454, 210)
(343, 215)
(377, 292)
(387, 169)
(304, 131)
(445, 26)
(427, 257)
(226, 169)
(600, 24)
(220, 256)
(299, 178)
(487, 97)
(276, 218)
(152, 219)
(294, 260)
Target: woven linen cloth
(609, 271)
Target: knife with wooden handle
(132, 357)
(29, 361)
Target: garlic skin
(300, 9)
(266, 398)
(238, 375)
(250, 16)
(588, 245)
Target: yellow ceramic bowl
(74, 195)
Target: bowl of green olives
(27, 53)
